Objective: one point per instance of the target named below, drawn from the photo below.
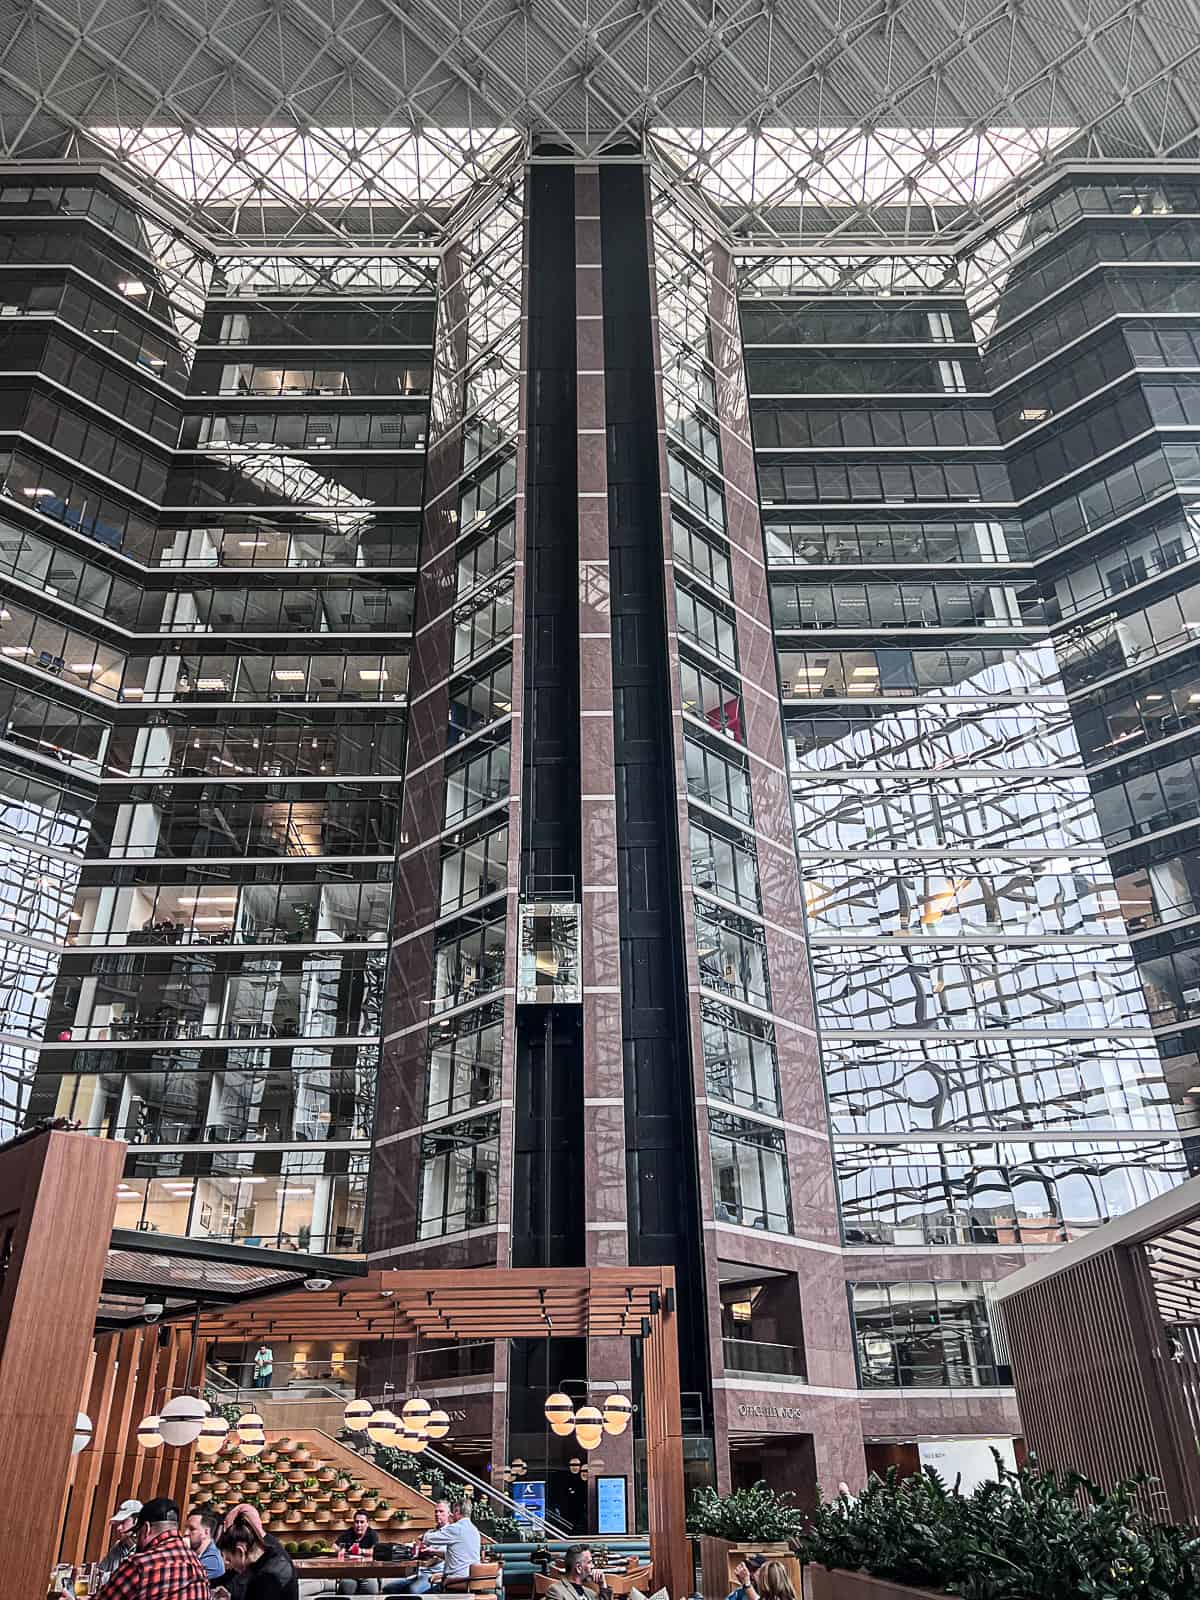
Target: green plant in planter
(1028, 1535)
(757, 1515)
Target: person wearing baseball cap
(122, 1522)
(163, 1566)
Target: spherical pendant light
(181, 1419)
(83, 1433)
(213, 1433)
(564, 1430)
(251, 1434)
(437, 1425)
(416, 1413)
(618, 1409)
(148, 1436)
(559, 1408)
(411, 1441)
(589, 1426)
(383, 1427)
(357, 1415)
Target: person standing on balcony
(264, 1366)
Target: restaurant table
(353, 1567)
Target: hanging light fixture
(415, 1414)
(589, 1427)
(83, 1433)
(437, 1425)
(181, 1419)
(559, 1408)
(148, 1436)
(251, 1434)
(383, 1427)
(617, 1409)
(357, 1415)
(410, 1441)
(213, 1433)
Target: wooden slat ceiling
(563, 1303)
(1175, 1268)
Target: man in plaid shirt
(162, 1567)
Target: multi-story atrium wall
(634, 749)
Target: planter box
(820, 1583)
(718, 1557)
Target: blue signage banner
(530, 1496)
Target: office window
(701, 555)
(467, 964)
(750, 1177)
(465, 1055)
(479, 699)
(487, 555)
(732, 955)
(478, 627)
(474, 869)
(704, 625)
(460, 1169)
(717, 782)
(922, 1335)
(477, 782)
(724, 866)
(740, 1066)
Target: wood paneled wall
(669, 1548)
(58, 1192)
(132, 1375)
(1097, 1389)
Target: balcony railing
(755, 1355)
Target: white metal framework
(810, 122)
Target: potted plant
(1023, 1534)
(746, 1522)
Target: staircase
(308, 1486)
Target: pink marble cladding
(915, 1414)
(400, 1097)
(814, 1253)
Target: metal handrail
(542, 1527)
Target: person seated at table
(431, 1553)
(770, 1582)
(580, 1580)
(123, 1523)
(360, 1539)
(259, 1566)
(745, 1572)
(201, 1530)
(163, 1566)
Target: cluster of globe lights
(188, 1420)
(414, 1430)
(589, 1424)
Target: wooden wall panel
(133, 1374)
(1096, 1388)
(58, 1193)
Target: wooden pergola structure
(503, 1303)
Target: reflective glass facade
(571, 747)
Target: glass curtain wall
(992, 1076)
(1093, 332)
(220, 987)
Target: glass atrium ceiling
(805, 123)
